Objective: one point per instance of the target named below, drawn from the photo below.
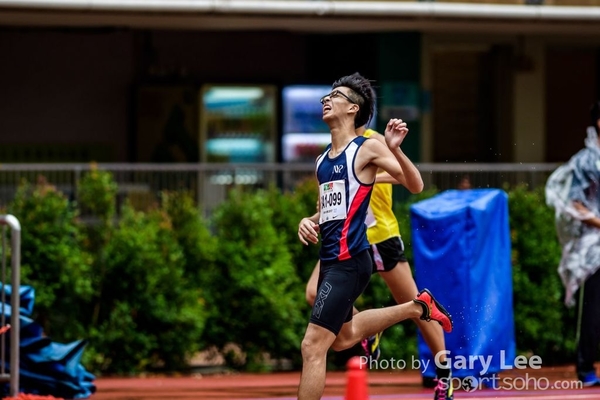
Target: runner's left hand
(395, 132)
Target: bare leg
(316, 343)
(369, 322)
(311, 285)
(403, 287)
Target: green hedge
(53, 260)
(151, 288)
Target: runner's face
(336, 102)
(334, 94)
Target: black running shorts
(339, 286)
(387, 254)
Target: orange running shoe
(432, 310)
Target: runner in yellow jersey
(390, 262)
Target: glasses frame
(334, 94)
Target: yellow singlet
(385, 225)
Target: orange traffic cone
(356, 385)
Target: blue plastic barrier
(462, 253)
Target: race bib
(333, 201)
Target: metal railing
(15, 264)
(142, 183)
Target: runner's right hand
(308, 231)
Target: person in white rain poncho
(573, 190)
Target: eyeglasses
(335, 94)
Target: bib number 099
(331, 199)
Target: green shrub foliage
(96, 192)
(288, 209)
(258, 296)
(150, 316)
(53, 261)
(192, 233)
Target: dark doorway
(571, 87)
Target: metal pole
(15, 300)
(3, 299)
(15, 315)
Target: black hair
(595, 114)
(362, 93)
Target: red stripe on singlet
(361, 194)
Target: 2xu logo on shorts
(323, 293)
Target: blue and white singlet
(344, 201)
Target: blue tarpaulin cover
(462, 253)
(46, 367)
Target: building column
(399, 86)
(529, 102)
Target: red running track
(394, 385)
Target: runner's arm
(410, 175)
(309, 226)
